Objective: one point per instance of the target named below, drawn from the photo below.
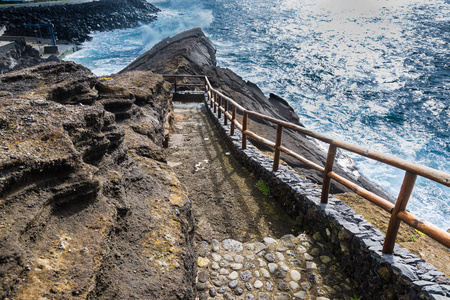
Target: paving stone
(232, 245)
(233, 284)
(200, 287)
(250, 257)
(292, 253)
(216, 257)
(212, 292)
(256, 273)
(310, 265)
(203, 296)
(282, 296)
(262, 263)
(264, 296)
(288, 240)
(295, 275)
(215, 266)
(269, 240)
(248, 286)
(249, 297)
(228, 257)
(294, 285)
(224, 272)
(301, 249)
(306, 285)
(239, 258)
(224, 264)
(273, 267)
(236, 266)
(215, 245)
(269, 286)
(281, 249)
(239, 291)
(213, 275)
(203, 276)
(315, 252)
(203, 262)
(283, 267)
(283, 286)
(221, 281)
(249, 265)
(280, 275)
(308, 256)
(258, 284)
(246, 275)
(222, 290)
(234, 275)
(259, 247)
(300, 295)
(270, 257)
(279, 256)
(264, 273)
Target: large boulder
(90, 209)
(191, 52)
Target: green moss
(262, 186)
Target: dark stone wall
(351, 238)
(74, 22)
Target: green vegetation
(355, 298)
(262, 186)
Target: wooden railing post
(215, 102)
(276, 157)
(233, 118)
(225, 119)
(244, 129)
(219, 104)
(400, 205)
(175, 84)
(328, 168)
(211, 98)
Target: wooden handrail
(398, 211)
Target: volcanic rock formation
(89, 208)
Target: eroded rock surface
(89, 208)
(191, 52)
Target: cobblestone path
(247, 246)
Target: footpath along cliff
(191, 52)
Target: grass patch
(262, 186)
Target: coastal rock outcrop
(191, 52)
(74, 22)
(90, 209)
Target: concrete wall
(350, 237)
(5, 47)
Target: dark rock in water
(74, 22)
(191, 52)
(84, 194)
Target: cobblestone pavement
(246, 249)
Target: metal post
(233, 118)
(244, 129)
(328, 168)
(400, 205)
(276, 157)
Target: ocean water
(372, 72)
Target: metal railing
(221, 103)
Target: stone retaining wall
(399, 276)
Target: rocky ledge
(89, 208)
(74, 22)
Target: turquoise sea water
(372, 72)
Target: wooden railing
(221, 103)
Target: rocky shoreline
(74, 22)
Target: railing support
(233, 118)
(328, 168)
(225, 119)
(219, 104)
(276, 157)
(215, 102)
(400, 206)
(244, 128)
(175, 84)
